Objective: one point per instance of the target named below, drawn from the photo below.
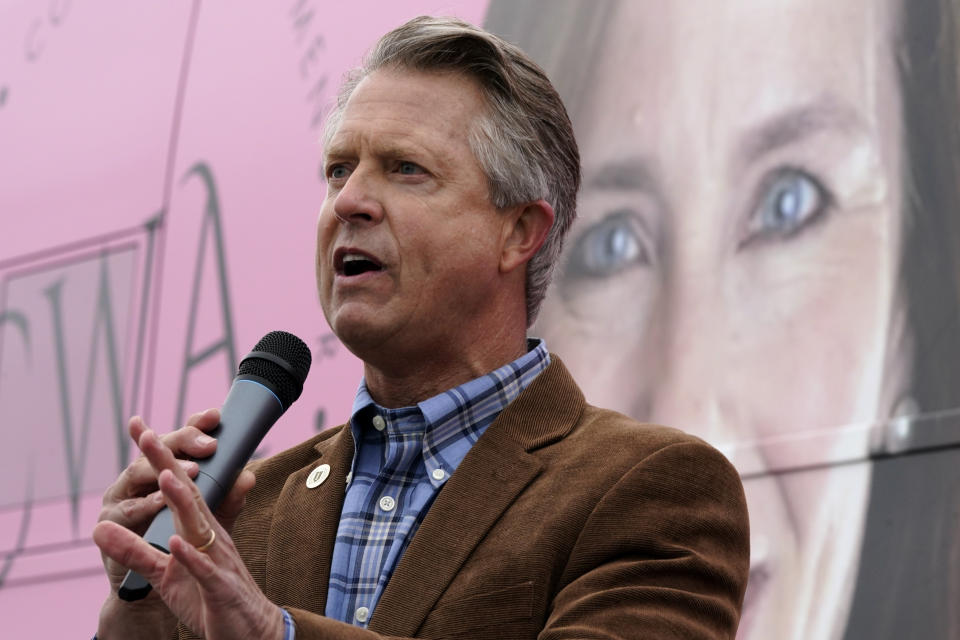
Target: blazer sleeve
(664, 554)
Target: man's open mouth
(351, 263)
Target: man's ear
(524, 232)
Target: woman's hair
(928, 64)
(907, 582)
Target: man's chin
(362, 335)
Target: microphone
(269, 379)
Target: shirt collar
(451, 416)
(537, 357)
(484, 397)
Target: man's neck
(413, 381)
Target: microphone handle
(247, 414)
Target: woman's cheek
(821, 305)
(602, 330)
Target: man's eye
(338, 172)
(790, 201)
(607, 247)
(409, 168)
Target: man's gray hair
(524, 144)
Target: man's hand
(210, 591)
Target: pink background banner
(159, 185)
(767, 255)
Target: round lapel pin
(317, 476)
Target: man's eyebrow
(390, 150)
(632, 173)
(334, 151)
(796, 123)
(400, 151)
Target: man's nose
(360, 200)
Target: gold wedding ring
(208, 543)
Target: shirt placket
(401, 448)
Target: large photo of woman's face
(736, 269)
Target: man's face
(407, 239)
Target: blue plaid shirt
(402, 458)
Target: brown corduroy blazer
(563, 521)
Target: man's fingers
(233, 502)
(200, 565)
(160, 455)
(193, 518)
(136, 426)
(164, 451)
(133, 513)
(130, 550)
(139, 479)
(205, 420)
(190, 440)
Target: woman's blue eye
(606, 248)
(409, 168)
(791, 200)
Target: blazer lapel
(304, 528)
(475, 496)
(497, 469)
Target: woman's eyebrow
(631, 173)
(796, 123)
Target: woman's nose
(692, 389)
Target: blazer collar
(545, 411)
(496, 469)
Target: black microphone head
(282, 361)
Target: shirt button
(379, 423)
(361, 614)
(387, 503)
(438, 474)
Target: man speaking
(474, 493)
